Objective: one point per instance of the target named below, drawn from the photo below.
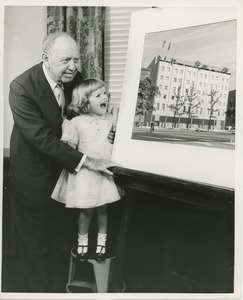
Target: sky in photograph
(213, 45)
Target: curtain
(86, 25)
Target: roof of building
(187, 63)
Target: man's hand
(101, 165)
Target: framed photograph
(177, 114)
(179, 117)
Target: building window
(175, 79)
(226, 79)
(223, 79)
(188, 81)
(168, 69)
(181, 71)
(157, 106)
(164, 96)
(200, 83)
(176, 70)
(180, 80)
(172, 97)
(186, 90)
(167, 78)
(163, 106)
(204, 84)
(161, 77)
(201, 75)
(194, 74)
(201, 110)
(217, 78)
(189, 73)
(203, 92)
(202, 101)
(166, 87)
(160, 86)
(212, 77)
(163, 68)
(205, 76)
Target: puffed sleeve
(70, 132)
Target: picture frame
(131, 153)
(193, 163)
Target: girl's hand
(111, 136)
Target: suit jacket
(37, 155)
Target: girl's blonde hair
(80, 96)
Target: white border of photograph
(205, 165)
(124, 145)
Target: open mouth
(103, 105)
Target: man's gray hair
(51, 38)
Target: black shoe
(82, 256)
(99, 256)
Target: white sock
(83, 241)
(101, 241)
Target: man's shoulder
(28, 74)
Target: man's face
(62, 60)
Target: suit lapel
(47, 101)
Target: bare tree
(213, 100)
(177, 105)
(193, 102)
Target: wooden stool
(101, 270)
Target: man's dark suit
(37, 157)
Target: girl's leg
(83, 228)
(84, 220)
(102, 222)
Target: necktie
(60, 97)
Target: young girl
(86, 189)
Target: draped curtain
(86, 25)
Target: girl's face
(98, 101)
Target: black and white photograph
(121, 149)
(182, 98)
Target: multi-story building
(201, 81)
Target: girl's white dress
(86, 188)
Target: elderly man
(38, 98)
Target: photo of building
(188, 91)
